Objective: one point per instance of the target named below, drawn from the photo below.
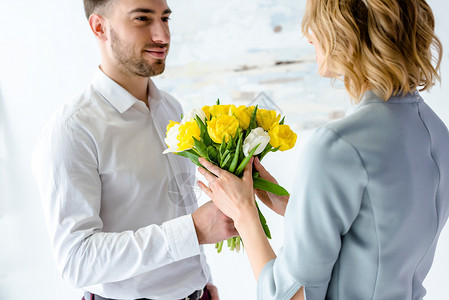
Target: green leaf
(222, 146)
(282, 121)
(253, 122)
(263, 221)
(275, 149)
(201, 125)
(235, 160)
(265, 151)
(228, 242)
(218, 101)
(238, 240)
(192, 155)
(266, 230)
(223, 156)
(226, 160)
(201, 148)
(271, 150)
(245, 162)
(233, 141)
(265, 185)
(204, 134)
(219, 246)
(261, 216)
(231, 144)
(212, 152)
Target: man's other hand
(211, 225)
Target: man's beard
(134, 64)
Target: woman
(372, 189)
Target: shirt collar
(119, 97)
(412, 97)
(371, 97)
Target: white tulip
(172, 139)
(256, 136)
(192, 114)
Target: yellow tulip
(187, 132)
(222, 126)
(206, 110)
(266, 118)
(243, 115)
(170, 125)
(220, 110)
(172, 137)
(282, 136)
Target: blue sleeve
(326, 199)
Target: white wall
(47, 54)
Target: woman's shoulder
(328, 146)
(347, 138)
(361, 117)
(343, 131)
(368, 123)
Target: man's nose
(161, 33)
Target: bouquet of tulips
(228, 136)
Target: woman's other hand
(274, 202)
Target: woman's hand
(274, 202)
(234, 196)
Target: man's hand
(213, 291)
(211, 225)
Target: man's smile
(159, 53)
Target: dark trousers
(197, 295)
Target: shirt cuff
(182, 239)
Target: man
(122, 217)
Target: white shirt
(116, 208)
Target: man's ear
(98, 26)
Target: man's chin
(159, 69)
(155, 69)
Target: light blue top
(370, 200)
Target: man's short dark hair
(95, 6)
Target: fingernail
(257, 160)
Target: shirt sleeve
(65, 167)
(328, 192)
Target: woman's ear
(98, 26)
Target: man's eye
(165, 19)
(143, 18)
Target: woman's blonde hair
(388, 46)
